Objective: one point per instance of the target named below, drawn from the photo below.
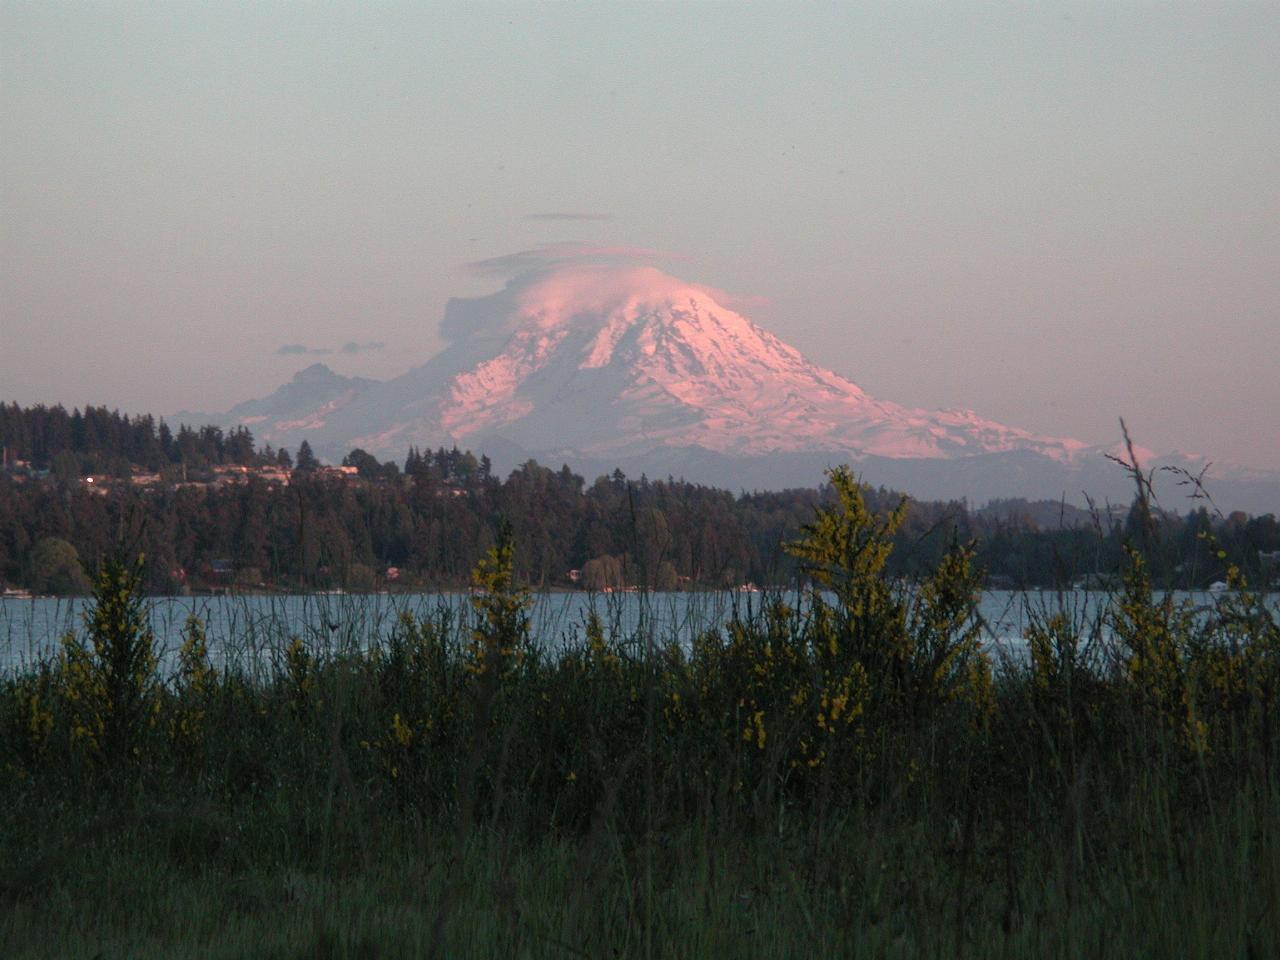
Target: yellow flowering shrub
(193, 685)
(1152, 635)
(32, 722)
(109, 683)
(915, 651)
(299, 675)
(500, 637)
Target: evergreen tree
(306, 461)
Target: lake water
(256, 625)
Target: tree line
(96, 440)
(426, 522)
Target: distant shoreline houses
(19, 469)
(217, 475)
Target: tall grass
(846, 776)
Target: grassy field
(854, 778)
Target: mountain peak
(606, 360)
(603, 361)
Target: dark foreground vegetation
(854, 778)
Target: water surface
(255, 625)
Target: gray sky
(1055, 214)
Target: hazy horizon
(1054, 216)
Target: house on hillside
(11, 464)
(228, 473)
(273, 476)
(340, 472)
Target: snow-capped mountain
(603, 361)
(599, 365)
(598, 361)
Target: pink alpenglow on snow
(587, 354)
(664, 362)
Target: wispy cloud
(352, 347)
(349, 348)
(735, 301)
(555, 275)
(568, 215)
(557, 254)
